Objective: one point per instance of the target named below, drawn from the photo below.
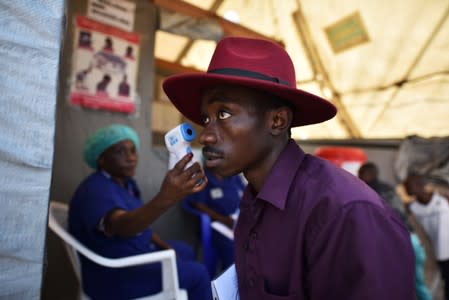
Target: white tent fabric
(30, 42)
(391, 86)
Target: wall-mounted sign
(347, 33)
(104, 71)
(118, 13)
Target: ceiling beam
(186, 48)
(229, 27)
(166, 67)
(321, 74)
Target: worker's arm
(227, 220)
(177, 184)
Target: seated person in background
(108, 216)
(432, 213)
(219, 200)
(369, 173)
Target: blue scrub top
(222, 196)
(95, 197)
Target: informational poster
(347, 33)
(117, 13)
(104, 71)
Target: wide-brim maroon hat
(252, 63)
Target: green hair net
(104, 138)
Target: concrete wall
(75, 124)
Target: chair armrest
(166, 257)
(223, 230)
(135, 260)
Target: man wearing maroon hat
(307, 229)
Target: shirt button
(246, 245)
(254, 235)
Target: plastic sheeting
(30, 40)
(175, 23)
(428, 157)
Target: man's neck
(425, 198)
(258, 175)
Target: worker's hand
(180, 182)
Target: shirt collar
(106, 174)
(276, 186)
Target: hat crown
(254, 55)
(257, 64)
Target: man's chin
(222, 172)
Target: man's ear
(281, 119)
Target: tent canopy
(384, 64)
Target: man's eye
(205, 120)
(223, 115)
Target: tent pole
(321, 74)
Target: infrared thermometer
(178, 141)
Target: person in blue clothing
(422, 292)
(108, 216)
(220, 199)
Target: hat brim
(185, 91)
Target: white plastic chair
(57, 221)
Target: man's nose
(208, 135)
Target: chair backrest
(210, 257)
(58, 223)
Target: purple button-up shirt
(314, 231)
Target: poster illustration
(104, 67)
